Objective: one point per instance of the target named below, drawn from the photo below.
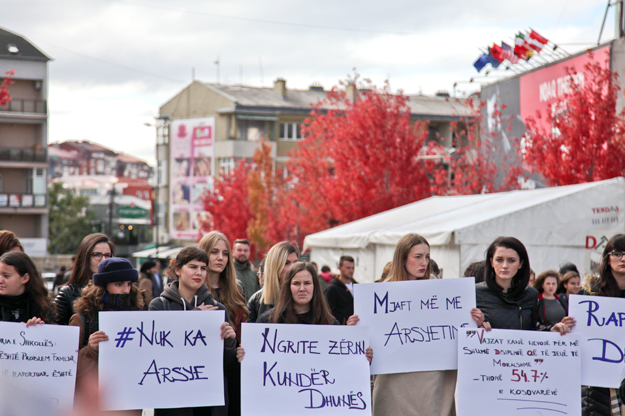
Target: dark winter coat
(18, 308)
(340, 300)
(256, 307)
(504, 312)
(248, 279)
(171, 300)
(64, 300)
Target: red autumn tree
(479, 164)
(5, 97)
(228, 205)
(266, 190)
(357, 159)
(586, 140)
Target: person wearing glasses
(93, 249)
(611, 283)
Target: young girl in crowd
(597, 401)
(92, 250)
(278, 261)
(189, 292)
(423, 393)
(552, 308)
(221, 279)
(505, 297)
(23, 295)
(570, 284)
(112, 289)
(300, 302)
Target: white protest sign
(161, 359)
(510, 372)
(43, 359)
(413, 325)
(599, 325)
(291, 369)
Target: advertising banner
(414, 325)
(291, 370)
(192, 169)
(510, 372)
(161, 359)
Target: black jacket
(64, 300)
(171, 300)
(504, 312)
(340, 300)
(18, 308)
(256, 307)
(265, 318)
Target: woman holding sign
(23, 295)
(423, 393)
(596, 401)
(112, 289)
(278, 261)
(93, 249)
(190, 293)
(505, 297)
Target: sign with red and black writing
(509, 372)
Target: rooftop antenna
(217, 64)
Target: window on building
(226, 164)
(251, 130)
(146, 194)
(291, 131)
(138, 194)
(100, 166)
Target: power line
(250, 19)
(103, 61)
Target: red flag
(496, 52)
(534, 35)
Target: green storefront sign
(126, 211)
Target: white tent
(560, 224)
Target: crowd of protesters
(283, 289)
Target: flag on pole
(496, 51)
(534, 35)
(494, 62)
(521, 48)
(508, 53)
(481, 62)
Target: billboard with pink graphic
(192, 164)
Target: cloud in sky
(116, 61)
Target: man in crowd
(339, 291)
(245, 274)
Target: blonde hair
(398, 271)
(229, 294)
(274, 264)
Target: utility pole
(111, 208)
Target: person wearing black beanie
(112, 289)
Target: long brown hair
(81, 270)
(8, 241)
(607, 284)
(35, 288)
(319, 310)
(229, 294)
(398, 272)
(565, 280)
(91, 302)
(274, 264)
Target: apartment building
(23, 143)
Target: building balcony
(23, 154)
(17, 105)
(23, 203)
(239, 148)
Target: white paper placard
(414, 325)
(291, 370)
(161, 359)
(40, 362)
(600, 322)
(510, 372)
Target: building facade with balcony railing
(24, 143)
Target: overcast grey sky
(116, 61)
